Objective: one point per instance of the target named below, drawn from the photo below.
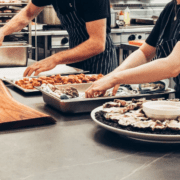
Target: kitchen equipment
(48, 16)
(113, 17)
(148, 137)
(162, 109)
(16, 115)
(78, 105)
(127, 15)
(13, 54)
(137, 42)
(148, 21)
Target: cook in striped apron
(76, 28)
(165, 46)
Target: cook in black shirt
(162, 43)
(88, 26)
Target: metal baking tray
(79, 105)
(12, 82)
(19, 87)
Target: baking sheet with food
(71, 98)
(128, 119)
(28, 84)
(13, 73)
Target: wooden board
(15, 115)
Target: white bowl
(162, 109)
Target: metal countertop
(115, 30)
(77, 149)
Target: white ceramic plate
(160, 138)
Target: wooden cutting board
(15, 115)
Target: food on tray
(30, 83)
(129, 115)
(7, 11)
(124, 90)
(153, 86)
(60, 92)
(50, 88)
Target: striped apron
(165, 47)
(76, 28)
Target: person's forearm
(18, 22)
(133, 60)
(79, 53)
(150, 72)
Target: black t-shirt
(89, 10)
(161, 22)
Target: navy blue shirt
(161, 22)
(89, 10)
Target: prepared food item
(30, 83)
(60, 92)
(130, 116)
(7, 11)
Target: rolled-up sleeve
(95, 9)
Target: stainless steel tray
(79, 105)
(19, 87)
(14, 54)
(12, 82)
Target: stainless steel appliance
(14, 54)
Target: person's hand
(1, 38)
(100, 87)
(38, 67)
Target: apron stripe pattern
(76, 27)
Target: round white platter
(157, 138)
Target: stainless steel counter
(75, 148)
(115, 30)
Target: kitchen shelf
(12, 4)
(7, 14)
(25, 34)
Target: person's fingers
(115, 89)
(31, 70)
(87, 92)
(90, 93)
(39, 71)
(26, 72)
(103, 93)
